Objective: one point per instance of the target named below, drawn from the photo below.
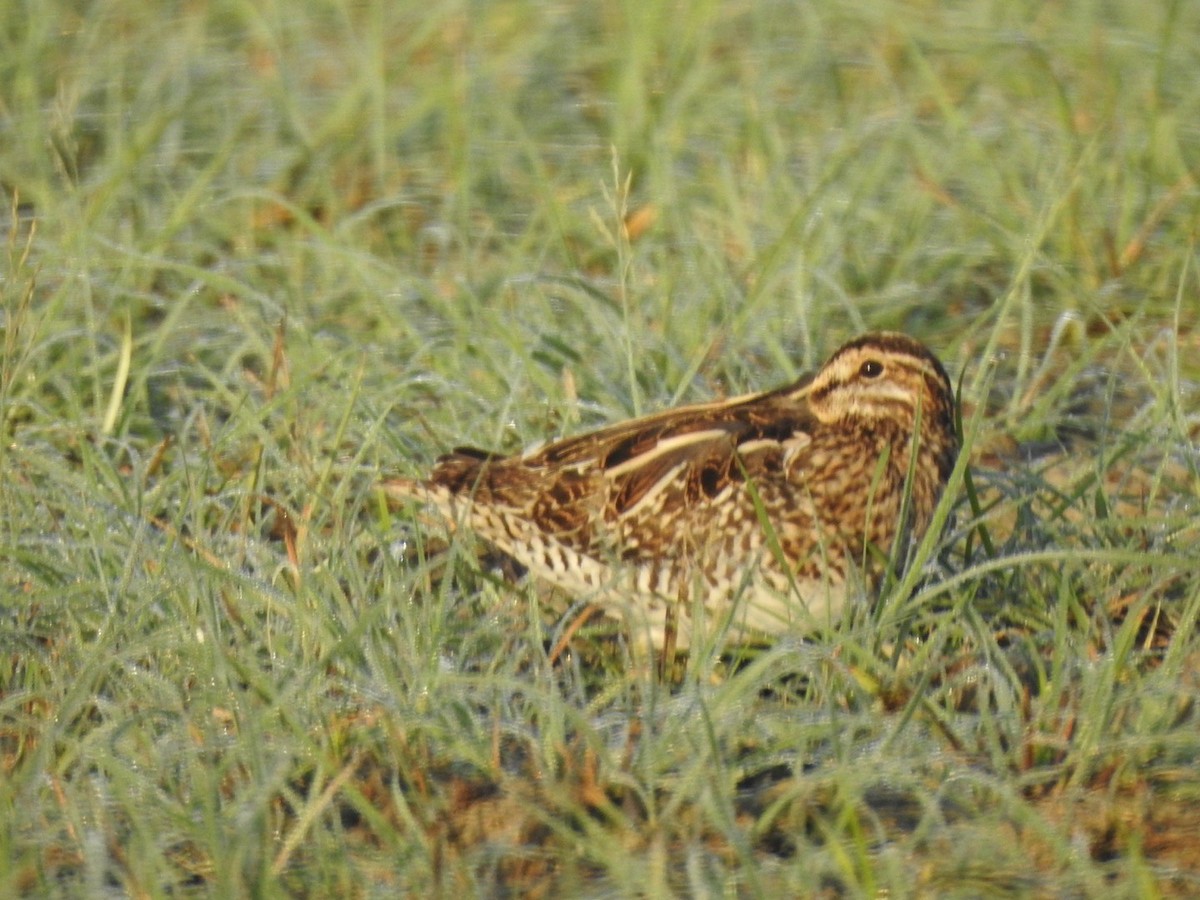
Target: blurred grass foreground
(257, 257)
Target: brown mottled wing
(604, 492)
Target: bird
(753, 516)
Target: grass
(259, 258)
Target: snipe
(758, 513)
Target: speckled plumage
(661, 518)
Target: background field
(259, 256)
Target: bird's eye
(872, 368)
